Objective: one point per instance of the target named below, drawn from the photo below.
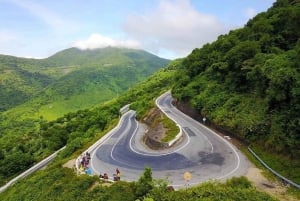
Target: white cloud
(250, 12)
(174, 26)
(99, 41)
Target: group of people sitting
(116, 176)
(84, 162)
(84, 168)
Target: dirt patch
(156, 131)
(70, 163)
(100, 183)
(155, 127)
(273, 188)
(106, 184)
(97, 183)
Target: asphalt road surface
(200, 151)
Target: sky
(167, 28)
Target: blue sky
(168, 28)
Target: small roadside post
(187, 177)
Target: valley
(246, 84)
(41, 91)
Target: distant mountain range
(71, 79)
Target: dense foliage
(58, 183)
(18, 85)
(26, 135)
(76, 130)
(248, 82)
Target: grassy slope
(79, 79)
(57, 183)
(102, 75)
(141, 105)
(16, 84)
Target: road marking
(189, 131)
(169, 103)
(162, 108)
(120, 137)
(235, 152)
(102, 141)
(176, 113)
(158, 154)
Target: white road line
(158, 154)
(119, 138)
(102, 140)
(235, 152)
(176, 114)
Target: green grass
(290, 166)
(57, 183)
(284, 166)
(82, 101)
(253, 160)
(294, 192)
(172, 129)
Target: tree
(144, 184)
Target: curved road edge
(180, 134)
(233, 171)
(100, 141)
(233, 148)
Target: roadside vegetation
(248, 83)
(76, 130)
(59, 94)
(63, 184)
(70, 80)
(171, 127)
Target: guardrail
(273, 171)
(179, 135)
(34, 168)
(125, 109)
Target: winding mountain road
(200, 151)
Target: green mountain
(71, 79)
(35, 91)
(246, 83)
(18, 85)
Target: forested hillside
(78, 130)
(248, 83)
(18, 85)
(34, 92)
(71, 79)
